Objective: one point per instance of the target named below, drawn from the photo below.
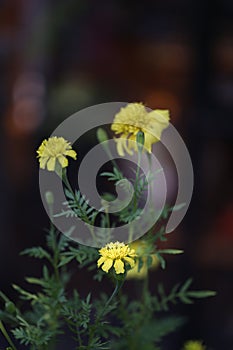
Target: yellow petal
(43, 162)
(107, 265)
(51, 164)
(130, 261)
(63, 161)
(161, 115)
(158, 122)
(119, 266)
(101, 261)
(71, 153)
(120, 146)
(128, 145)
(149, 140)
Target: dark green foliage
(83, 255)
(95, 324)
(48, 306)
(78, 206)
(178, 293)
(116, 175)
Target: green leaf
(202, 293)
(161, 290)
(25, 294)
(4, 297)
(186, 285)
(69, 194)
(140, 264)
(175, 289)
(79, 206)
(170, 251)
(36, 252)
(149, 261)
(45, 272)
(162, 261)
(33, 280)
(65, 260)
(184, 298)
(178, 207)
(116, 175)
(178, 293)
(106, 173)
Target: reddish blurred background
(57, 57)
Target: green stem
(123, 311)
(4, 332)
(137, 178)
(4, 297)
(150, 172)
(119, 284)
(54, 260)
(149, 160)
(138, 165)
(102, 137)
(79, 337)
(66, 181)
(131, 233)
(107, 219)
(135, 199)
(108, 226)
(109, 153)
(67, 184)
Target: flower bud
(10, 307)
(140, 140)
(49, 197)
(102, 135)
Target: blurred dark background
(57, 57)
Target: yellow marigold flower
(116, 255)
(194, 345)
(141, 248)
(55, 149)
(134, 118)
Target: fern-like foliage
(181, 293)
(106, 321)
(33, 335)
(149, 333)
(82, 254)
(77, 313)
(36, 252)
(115, 175)
(78, 206)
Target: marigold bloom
(194, 345)
(134, 118)
(141, 249)
(116, 255)
(55, 149)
